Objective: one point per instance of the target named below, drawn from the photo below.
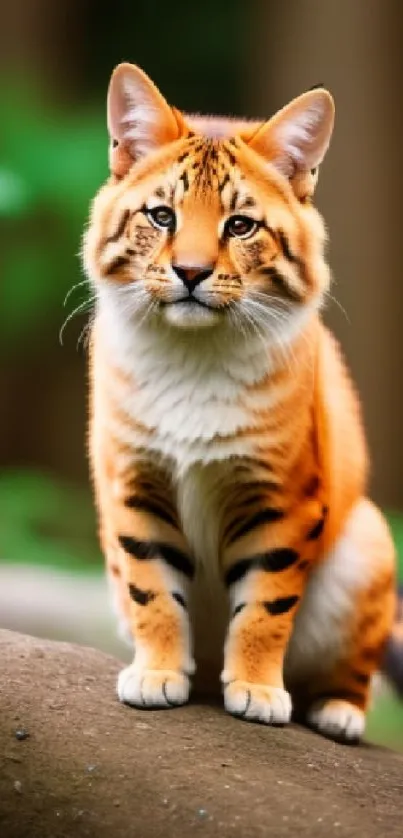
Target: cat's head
(209, 220)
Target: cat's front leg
(150, 563)
(265, 582)
(157, 576)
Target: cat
(226, 442)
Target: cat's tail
(393, 660)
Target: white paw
(258, 703)
(160, 688)
(337, 719)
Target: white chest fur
(194, 393)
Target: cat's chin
(191, 316)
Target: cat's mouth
(190, 313)
(189, 300)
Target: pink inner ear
(297, 137)
(138, 115)
(265, 142)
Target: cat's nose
(192, 276)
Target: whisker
(73, 288)
(78, 310)
(338, 303)
(267, 320)
(85, 333)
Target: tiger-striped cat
(226, 439)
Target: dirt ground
(74, 762)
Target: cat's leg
(151, 570)
(266, 561)
(343, 624)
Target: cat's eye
(240, 226)
(162, 217)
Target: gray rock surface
(74, 762)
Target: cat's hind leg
(342, 627)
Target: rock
(20, 735)
(169, 774)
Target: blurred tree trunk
(44, 40)
(354, 49)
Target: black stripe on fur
(272, 562)
(148, 550)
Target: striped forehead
(207, 170)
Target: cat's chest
(194, 421)
(195, 404)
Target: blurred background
(225, 57)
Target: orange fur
(225, 431)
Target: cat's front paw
(153, 688)
(258, 703)
(337, 720)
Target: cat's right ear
(139, 118)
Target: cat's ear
(295, 139)
(139, 118)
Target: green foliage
(51, 165)
(385, 721)
(46, 522)
(396, 522)
(54, 158)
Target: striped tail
(393, 660)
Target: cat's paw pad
(337, 719)
(258, 703)
(158, 688)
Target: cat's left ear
(139, 118)
(295, 139)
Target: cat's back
(340, 432)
